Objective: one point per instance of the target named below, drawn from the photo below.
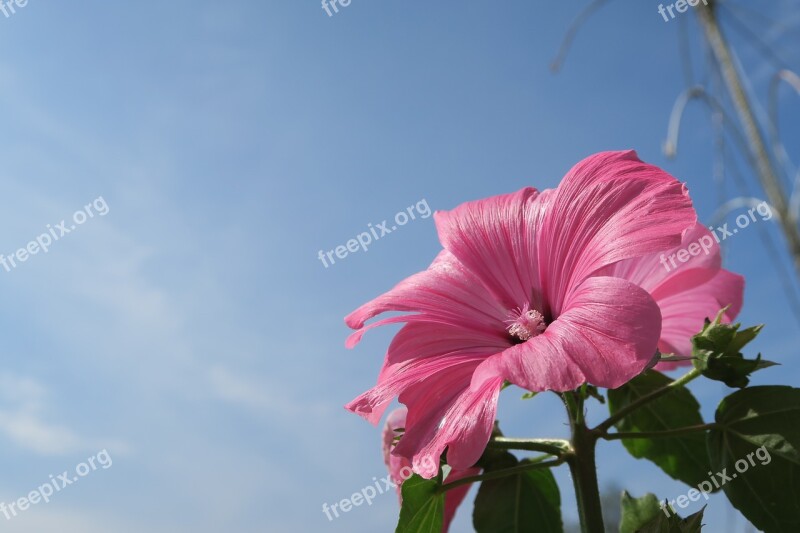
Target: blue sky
(192, 332)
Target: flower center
(525, 323)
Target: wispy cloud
(25, 420)
(261, 396)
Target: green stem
(496, 474)
(574, 403)
(583, 468)
(659, 434)
(625, 411)
(556, 447)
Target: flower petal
(442, 415)
(421, 350)
(606, 335)
(446, 292)
(611, 206)
(685, 311)
(395, 464)
(400, 468)
(495, 239)
(688, 285)
(653, 270)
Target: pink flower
(689, 285)
(515, 295)
(400, 468)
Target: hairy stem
(659, 434)
(583, 468)
(556, 447)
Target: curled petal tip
(354, 338)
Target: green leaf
(683, 458)
(757, 445)
(734, 371)
(717, 352)
(674, 523)
(493, 459)
(636, 512)
(693, 523)
(423, 506)
(527, 502)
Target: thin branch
(497, 474)
(670, 147)
(753, 14)
(556, 447)
(659, 434)
(786, 76)
(758, 43)
(794, 199)
(772, 249)
(685, 51)
(572, 31)
(625, 411)
(757, 150)
(793, 80)
(737, 203)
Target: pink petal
(686, 291)
(446, 293)
(420, 340)
(421, 350)
(606, 335)
(651, 271)
(611, 206)
(685, 311)
(496, 239)
(400, 468)
(441, 414)
(394, 463)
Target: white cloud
(51, 518)
(260, 396)
(25, 422)
(28, 431)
